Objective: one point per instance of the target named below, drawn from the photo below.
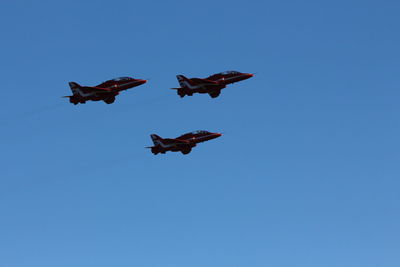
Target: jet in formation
(106, 91)
(183, 143)
(211, 85)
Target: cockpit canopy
(229, 72)
(121, 79)
(200, 132)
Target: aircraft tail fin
(182, 80)
(74, 87)
(156, 139)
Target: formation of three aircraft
(212, 85)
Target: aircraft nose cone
(217, 135)
(245, 76)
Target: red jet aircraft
(211, 85)
(105, 91)
(183, 143)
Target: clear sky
(306, 175)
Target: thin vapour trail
(28, 114)
(43, 109)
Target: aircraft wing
(89, 89)
(175, 141)
(201, 81)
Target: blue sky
(307, 173)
